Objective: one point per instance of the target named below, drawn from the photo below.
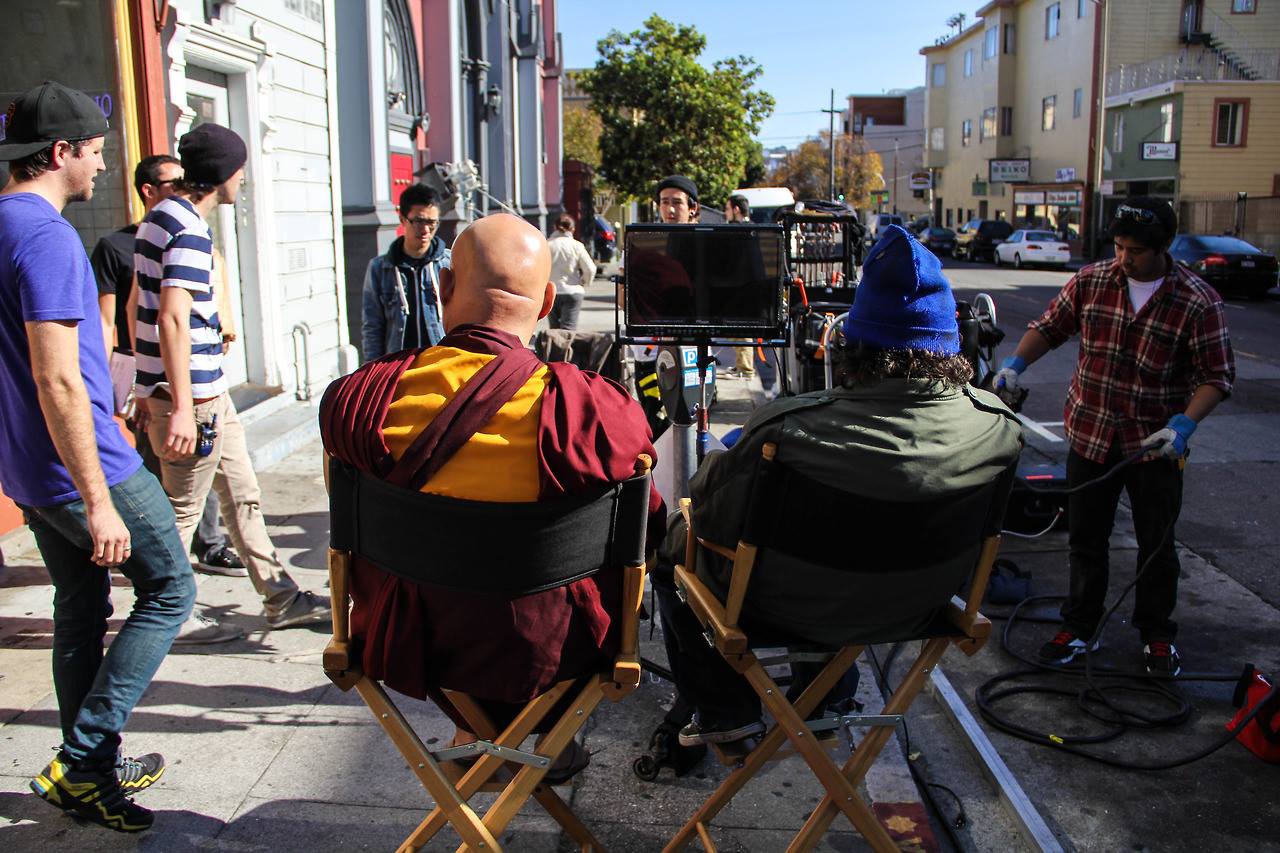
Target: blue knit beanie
(903, 300)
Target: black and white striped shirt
(174, 248)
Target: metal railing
(1194, 65)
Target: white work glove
(1006, 381)
(1170, 442)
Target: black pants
(1155, 495)
(722, 697)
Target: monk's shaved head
(501, 270)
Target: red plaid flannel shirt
(1135, 371)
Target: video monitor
(705, 282)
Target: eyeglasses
(422, 222)
(162, 183)
(1137, 214)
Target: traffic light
(840, 197)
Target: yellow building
(1039, 112)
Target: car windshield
(995, 229)
(941, 232)
(1220, 244)
(1040, 235)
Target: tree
(582, 136)
(858, 171)
(663, 113)
(755, 172)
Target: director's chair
(543, 545)
(960, 539)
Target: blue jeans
(96, 691)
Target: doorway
(207, 98)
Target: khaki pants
(744, 359)
(229, 473)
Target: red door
(401, 177)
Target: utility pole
(831, 138)
(895, 175)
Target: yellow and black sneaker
(140, 772)
(93, 795)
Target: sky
(805, 47)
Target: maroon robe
(415, 637)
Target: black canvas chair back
(491, 548)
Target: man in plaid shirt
(1155, 359)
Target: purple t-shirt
(45, 275)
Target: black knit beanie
(210, 153)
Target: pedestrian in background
(571, 271)
(87, 499)
(738, 210)
(400, 302)
(112, 261)
(181, 390)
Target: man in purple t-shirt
(88, 500)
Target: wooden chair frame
(451, 789)
(970, 630)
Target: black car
(978, 238)
(604, 241)
(1229, 264)
(940, 241)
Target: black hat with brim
(46, 114)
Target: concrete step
(276, 427)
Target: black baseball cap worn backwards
(46, 114)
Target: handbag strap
(475, 404)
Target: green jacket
(900, 441)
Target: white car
(1033, 247)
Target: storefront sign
(1063, 198)
(1159, 151)
(1010, 171)
(920, 181)
(1067, 175)
(1028, 197)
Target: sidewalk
(266, 755)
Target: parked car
(1033, 247)
(605, 240)
(920, 225)
(1229, 264)
(978, 238)
(940, 241)
(879, 222)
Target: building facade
(1192, 109)
(892, 125)
(1048, 112)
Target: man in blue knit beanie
(902, 427)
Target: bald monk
(559, 431)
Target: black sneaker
(222, 561)
(307, 608)
(140, 772)
(1162, 658)
(93, 795)
(1064, 647)
(696, 734)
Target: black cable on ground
(926, 786)
(1100, 702)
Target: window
(989, 43)
(987, 130)
(939, 74)
(968, 62)
(1077, 103)
(966, 131)
(1231, 120)
(1048, 113)
(1166, 121)
(937, 139)
(1082, 7)
(1244, 7)
(1052, 15)
(1006, 121)
(1010, 40)
(1117, 133)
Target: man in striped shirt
(181, 390)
